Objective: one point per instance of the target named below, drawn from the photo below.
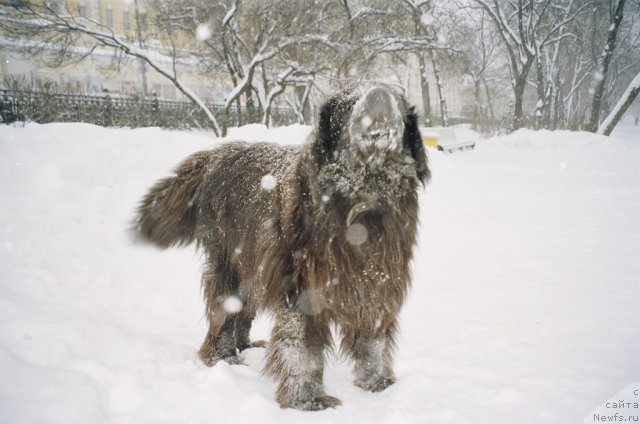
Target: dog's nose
(377, 119)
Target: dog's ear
(333, 121)
(413, 145)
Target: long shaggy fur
(330, 243)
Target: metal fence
(105, 110)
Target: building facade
(104, 71)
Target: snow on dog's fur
(317, 234)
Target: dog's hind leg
(243, 327)
(220, 343)
(295, 359)
(218, 283)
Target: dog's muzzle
(377, 120)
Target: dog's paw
(210, 358)
(257, 343)
(234, 360)
(376, 384)
(316, 404)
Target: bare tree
(59, 36)
(265, 47)
(280, 52)
(551, 36)
(621, 107)
(525, 28)
(603, 68)
(515, 29)
(419, 12)
(478, 53)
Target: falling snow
(232, 305)
(311, 302)
(520, 266)
(426, 19)
(366, 122)
(268, 182)
(203, 32)
(357, 234)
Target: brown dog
(317, 234)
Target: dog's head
(370, 121)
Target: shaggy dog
(317, 234)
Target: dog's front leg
(295, 359)
(371, 353)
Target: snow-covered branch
(49, 22)
(627, 98)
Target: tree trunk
(301, 94)
(557, 104)
(538, 113)
(621, 107)
(424, 85)
(266, 116)
(443, 103)
(250, 107)
(518, 90)
(492, 114)
(607, 54)
(476, 103)
(268, 108)
(141, 63)
(239, 116)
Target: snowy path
(524, 307)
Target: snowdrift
(524, 305)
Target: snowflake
(203, 32)
(357, 234)
(311, 302)
(366, 122)
(378, 323)
(426, 19)
(232, 305)
(268, 182)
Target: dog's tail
(168, 214)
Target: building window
(109, 16)
(82, 10)
(126, 21)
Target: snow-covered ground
(524, 309)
